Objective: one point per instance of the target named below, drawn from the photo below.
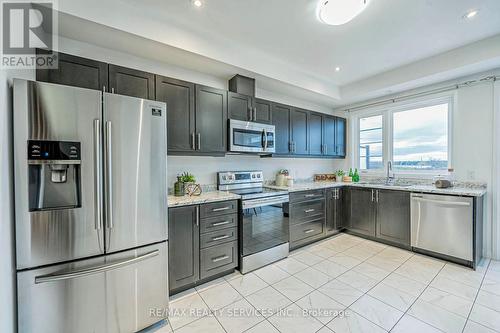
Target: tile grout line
(416, 299)
(366, 293)
(477, 294)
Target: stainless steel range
(263, 226)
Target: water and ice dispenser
(54, 175)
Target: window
(414, 136)
(420, 140)
(370, 142)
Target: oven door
(264, 224)
(250, 137)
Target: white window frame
(387, 112)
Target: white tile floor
(345, 284)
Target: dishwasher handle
(442, 202)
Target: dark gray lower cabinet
(183, 246)
(379, 214)
(307, 217)
(203, 243)
(334, 210)
(362, 211)
(393, 216)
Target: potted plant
(188, 178)
(339, 174)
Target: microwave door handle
(265, 140)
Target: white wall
(205, 168)
(473, 132)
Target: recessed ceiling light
(470, 14)
(338, 12)
(337, 69)
(197, 3)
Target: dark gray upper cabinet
(242, 85)
(334, 210)
(340, 137)
(240, 107)
(131, 82)
(316, 146)
(329, 124)
(281, 120)
(179, 96)
(263, 110)
(211, 120)
(75, 71)
(393, 216)
(299, 131)
(183, 246)
(362, 211)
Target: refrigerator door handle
(93, 270)
(98, 174)
(109, 177)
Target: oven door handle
(253, 203)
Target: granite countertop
(205, 197)
(420, 188)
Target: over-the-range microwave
(250, 137)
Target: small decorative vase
(179, 188)
(280, 180)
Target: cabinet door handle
(219, 223)
(377, 194)
(254, 114)
(193, 141)
(326, 150)
(197, 216)
(308, 231)
(199, 141)
(373, 195)
(224, 257)
(220, 237)
(309, 195)
(221, 209)
(307, 211)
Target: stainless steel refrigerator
(90, 210)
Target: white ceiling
(283, 40)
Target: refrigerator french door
(91, 209)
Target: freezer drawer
(443, 224)
(123, 292)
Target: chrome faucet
(390, 173)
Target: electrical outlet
(471, 174)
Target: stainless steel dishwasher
(442, 224)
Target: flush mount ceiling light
(338, 12)
(337, 69)
(470, 14)
(197, 3)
